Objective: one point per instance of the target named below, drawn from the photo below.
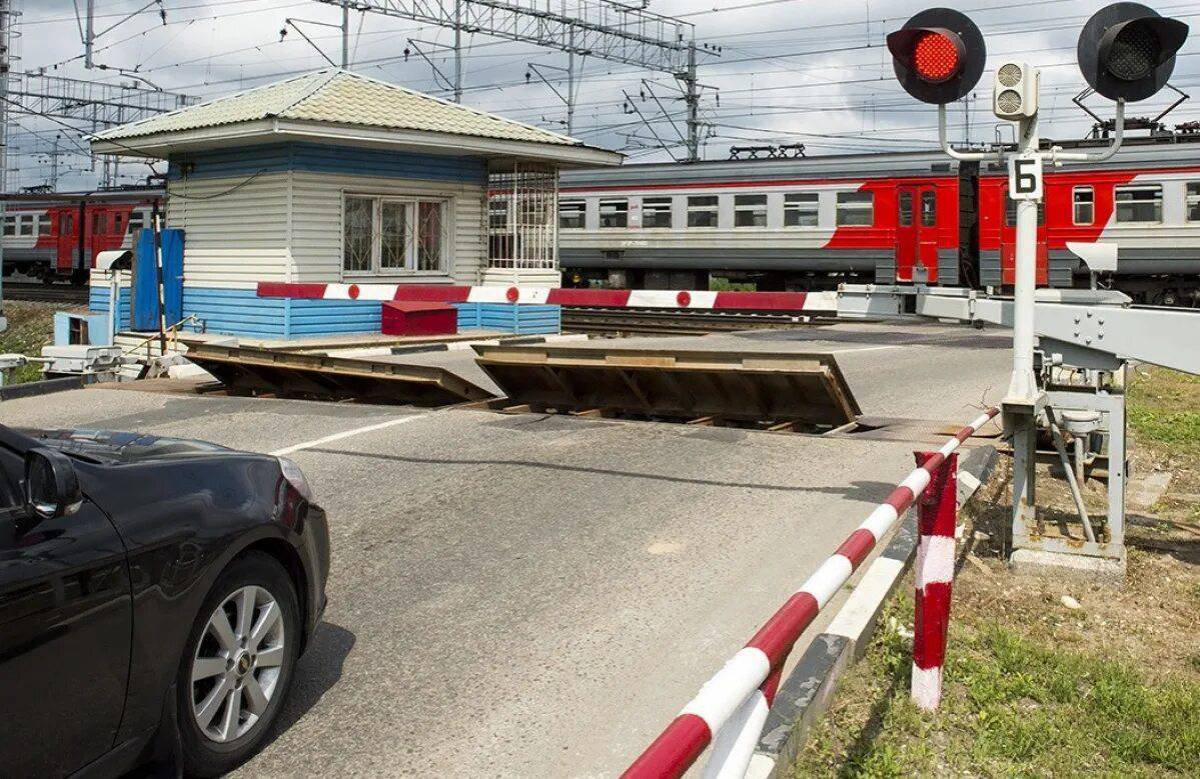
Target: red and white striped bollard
(937, 512)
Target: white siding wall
(316, 234)
(237, 238)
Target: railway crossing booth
(334, 178)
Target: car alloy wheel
(237, 665)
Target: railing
(731, 707)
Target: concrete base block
(1102, 570)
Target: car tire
(226, 741)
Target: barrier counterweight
(735, 688)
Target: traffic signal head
(1015, 92)
(938, 55)
(1127, 50)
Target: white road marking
(346, 434)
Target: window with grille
(702, 211)
(656, 212)
(800, 209)
(1193, 201)
(393, 235)
(1084, 205)
(750, 211)
(855, 209)
(1139, 204)
(614, 213)
(571, 214)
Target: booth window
(571, 214)
(855, 209)
(656, 212)
(750, 211)
(393, 235)
(1140, 204)
(702, 211)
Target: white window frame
(615, 201)
(714, 209)
(854, 206)
(27, 225)
(1130, 188)
(412, 217)
(1191, 199)
(658, 204)
(755, 209)
(804, 203)
(581, 212)
(1075, 204)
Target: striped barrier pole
(690, 733)
(937, 516)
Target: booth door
(145, 280)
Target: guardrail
(731, 707)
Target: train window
(10, 225)
(928, 208)
(750, 211)
(1141, 204)
(906, 209)
(571, 214)
(614, 213)
(656, 212)
(136, 223)
(97, 222)
(1010, 211)
(118, 224)
(66, 224)
(1193, 201)
(1084, 199)
(702, 211)
(800, 209)
(25, 225)
(43, 224)
(855, 209)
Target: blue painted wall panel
(509, 318)
(318, 317)
(235, 312)
(328, 158)
(98, 303)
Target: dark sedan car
(155, 595)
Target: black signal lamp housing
(938, 55)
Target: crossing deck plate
(761, 387)
(262, 370)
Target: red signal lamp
(936, 56)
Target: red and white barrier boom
(937, 516)
(733, 703)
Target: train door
(68, 239)
(916, 233)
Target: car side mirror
(51, 485)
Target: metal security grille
(523, 218)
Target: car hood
(113, 446)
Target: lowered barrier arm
(738, 696)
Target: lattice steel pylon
(591, 28)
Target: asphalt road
(537, 595)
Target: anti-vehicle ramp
(775, 391)
(258, 370)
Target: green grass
(1164, 407)
(1012, 707)
(30, 327)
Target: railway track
(44, 293)
(671, 322)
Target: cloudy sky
(789, 71)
